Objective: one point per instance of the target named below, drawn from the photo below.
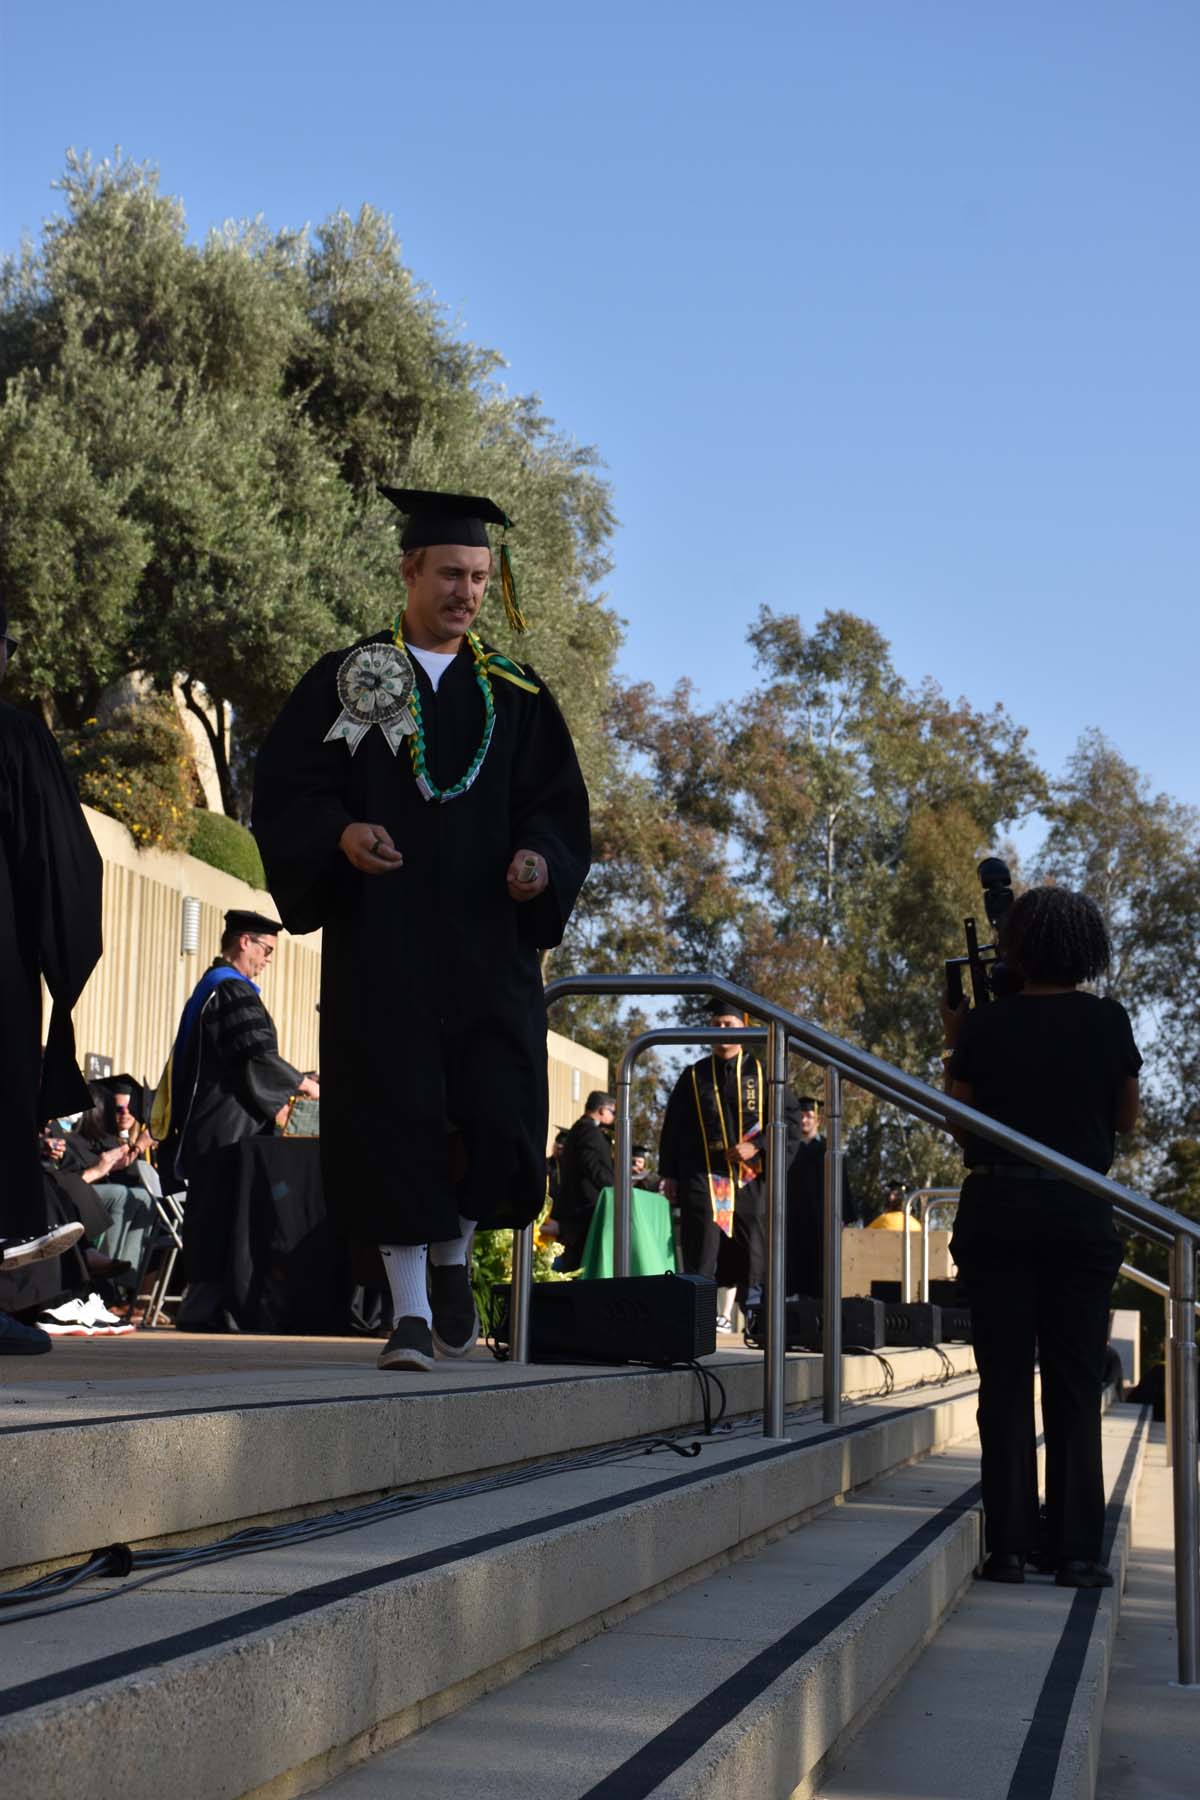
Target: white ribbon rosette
(374, 685)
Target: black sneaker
(409, 1347)
(455, 1320)
(1001, 1566)
(1083, 1575)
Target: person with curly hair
(1037, 1255)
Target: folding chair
(167, 1236)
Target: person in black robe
(50, 882)
(711, 1163)
(806, 1206)
(420, 800)
(227, 1082)
(587, 1169)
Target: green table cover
(652, 1251)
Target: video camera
(989, 977)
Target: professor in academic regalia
(50, 876)
(226, 1081)
(419, 799)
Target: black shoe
(1002, 1566)
(409, 1347)
(1082, 1575)
(455, 1320)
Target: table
(652, 1246)
(258, 1242)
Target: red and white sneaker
(71, 1319)
(103, 1322)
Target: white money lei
(374, 684)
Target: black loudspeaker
(913, 1325)
(862, 1324)
(956, 1325)
(947, 1294)
(637, 1318)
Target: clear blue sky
(876, 304)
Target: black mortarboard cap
(238, 919)
(435, 518)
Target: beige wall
(130, 1008)
(574, 1072)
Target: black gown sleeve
(549, 810)
(300, 806)
(58, 875)
(673, 1137)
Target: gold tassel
(508, 585)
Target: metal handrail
(1154, 1286)
(843, 1060)
(924, 1195)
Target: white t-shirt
(434, 662)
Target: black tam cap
(238, 920)
(444, 518)
(456, 519)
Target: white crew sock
(453, 1250)
(725, 1300)
(404, 1266)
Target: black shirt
(1052, 1066)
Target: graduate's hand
(527, 875)
(370, 848)
(670, 1188)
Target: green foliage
(491, 1261)
(816, 842)
(224, 844)
(190, 438)
(137, 768)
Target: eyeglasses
(267, 949)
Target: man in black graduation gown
(227, 1082)
(420, 800)
(806, 1205)
(711, 1163)
(586, 1170)
(50, 876)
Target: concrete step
(274, 1670)
(735, 1687)
(150, 1456)
(1007, 1702)
(1151, 1730)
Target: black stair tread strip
(1037, 1765)
(65, 1683)
(678, 1742)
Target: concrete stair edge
(257, 1707)
(161, 1476)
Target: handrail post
(1184, 1471)
(905, 1283)
(623, 1170)
(1168, 1382)
(925, 1253)
(520, 1294)
(776, 1294)
(831, 1337)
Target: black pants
(738, 1261)
(1038, 1262)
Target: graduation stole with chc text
(723, 1183)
